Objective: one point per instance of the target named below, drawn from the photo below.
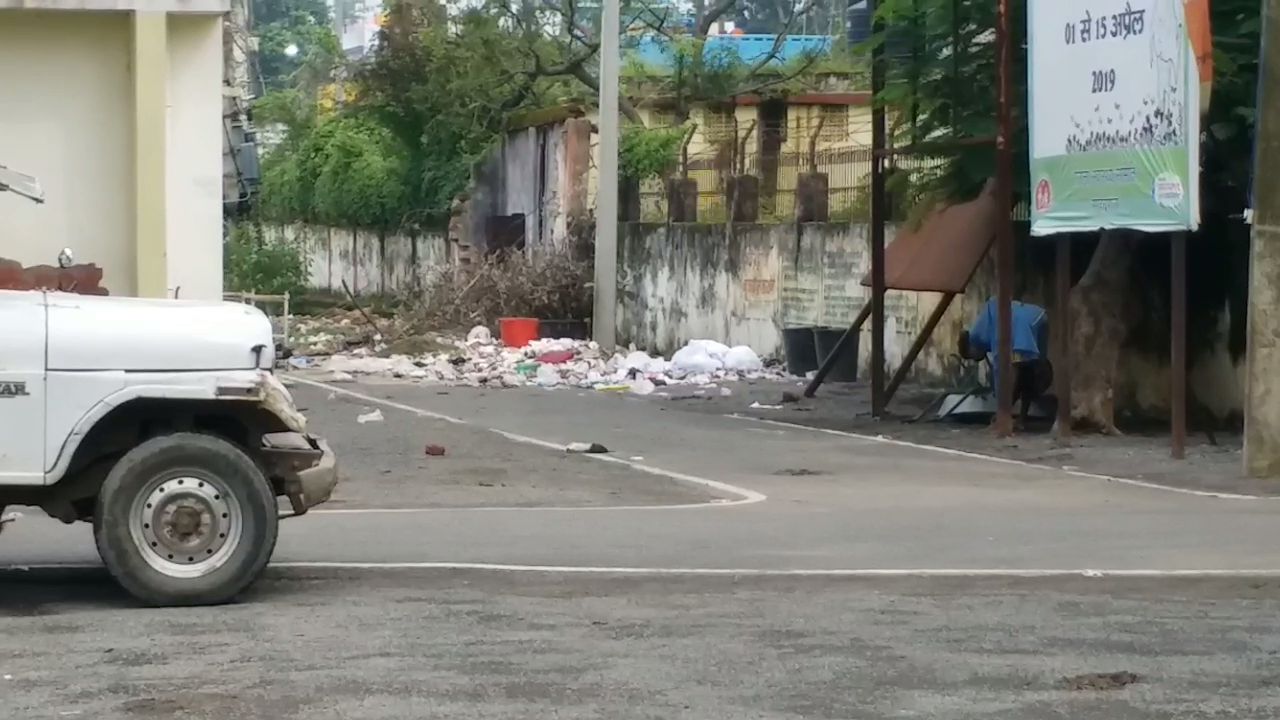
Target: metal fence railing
(848, 171)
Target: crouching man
(1032, 371)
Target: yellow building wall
(66, 117)
(843, 146)
(193, 176)
(119, 116)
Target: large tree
(294, 37)
(561, 39)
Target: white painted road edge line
(751, 572)
(1005, 461)
(746, 496)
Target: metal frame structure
(882, 394)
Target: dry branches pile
(549, 286)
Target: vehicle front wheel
(185, 519)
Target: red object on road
(517, 332)
(556, 357)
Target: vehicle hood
(138, 334)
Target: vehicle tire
(185, 519)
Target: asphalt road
(675, 590)
(471, 644)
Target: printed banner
(1114, 92)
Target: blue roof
(655, 51)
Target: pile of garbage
(479, 360)
(333, 332)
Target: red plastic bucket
(517, 332)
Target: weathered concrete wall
(744, 284)
(681, 282)
(371, 263)
(529, 174)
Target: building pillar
(1262, 388)
(150, 55)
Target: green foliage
(346, 170)
(255, 264)
(292, 108)
(942, 71)
(304, 24)
(646, 153)
(1229, 126)
(444, 89)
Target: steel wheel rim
(186, 525)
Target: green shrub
(345, 171)
(646, 153)
(258, 264)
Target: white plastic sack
(547, 376)
(642, 386)
(715, 349)
(480, 334)
(637, 361)
(694, 360)
(742, 359)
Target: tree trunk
(1101, 319)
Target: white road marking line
(512, 508)
(766, 572)
(745, 496)
(1006, 461)
(1090, 573)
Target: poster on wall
(1114, 92)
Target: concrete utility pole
(604, 314)
(1262, 388)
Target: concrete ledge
(166, 6)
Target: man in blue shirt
(1033, 373)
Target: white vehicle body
(71, 359)
(86, 381)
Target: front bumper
(303, 468)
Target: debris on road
(760, 406)
(481, 361)
(789, 397)
(434, 450)
(556, 357)
(1101, 681)
(586, 448)
(370, 417)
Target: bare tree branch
(624, 103)
(781, 78)
(781, 37)
(713, 16)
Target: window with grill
(835, 126)
(662, 118)
(717, 125)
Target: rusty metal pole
(877, 222)
(917, 345)
(1062, 335)
(1178, 346)
(1004, 226)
